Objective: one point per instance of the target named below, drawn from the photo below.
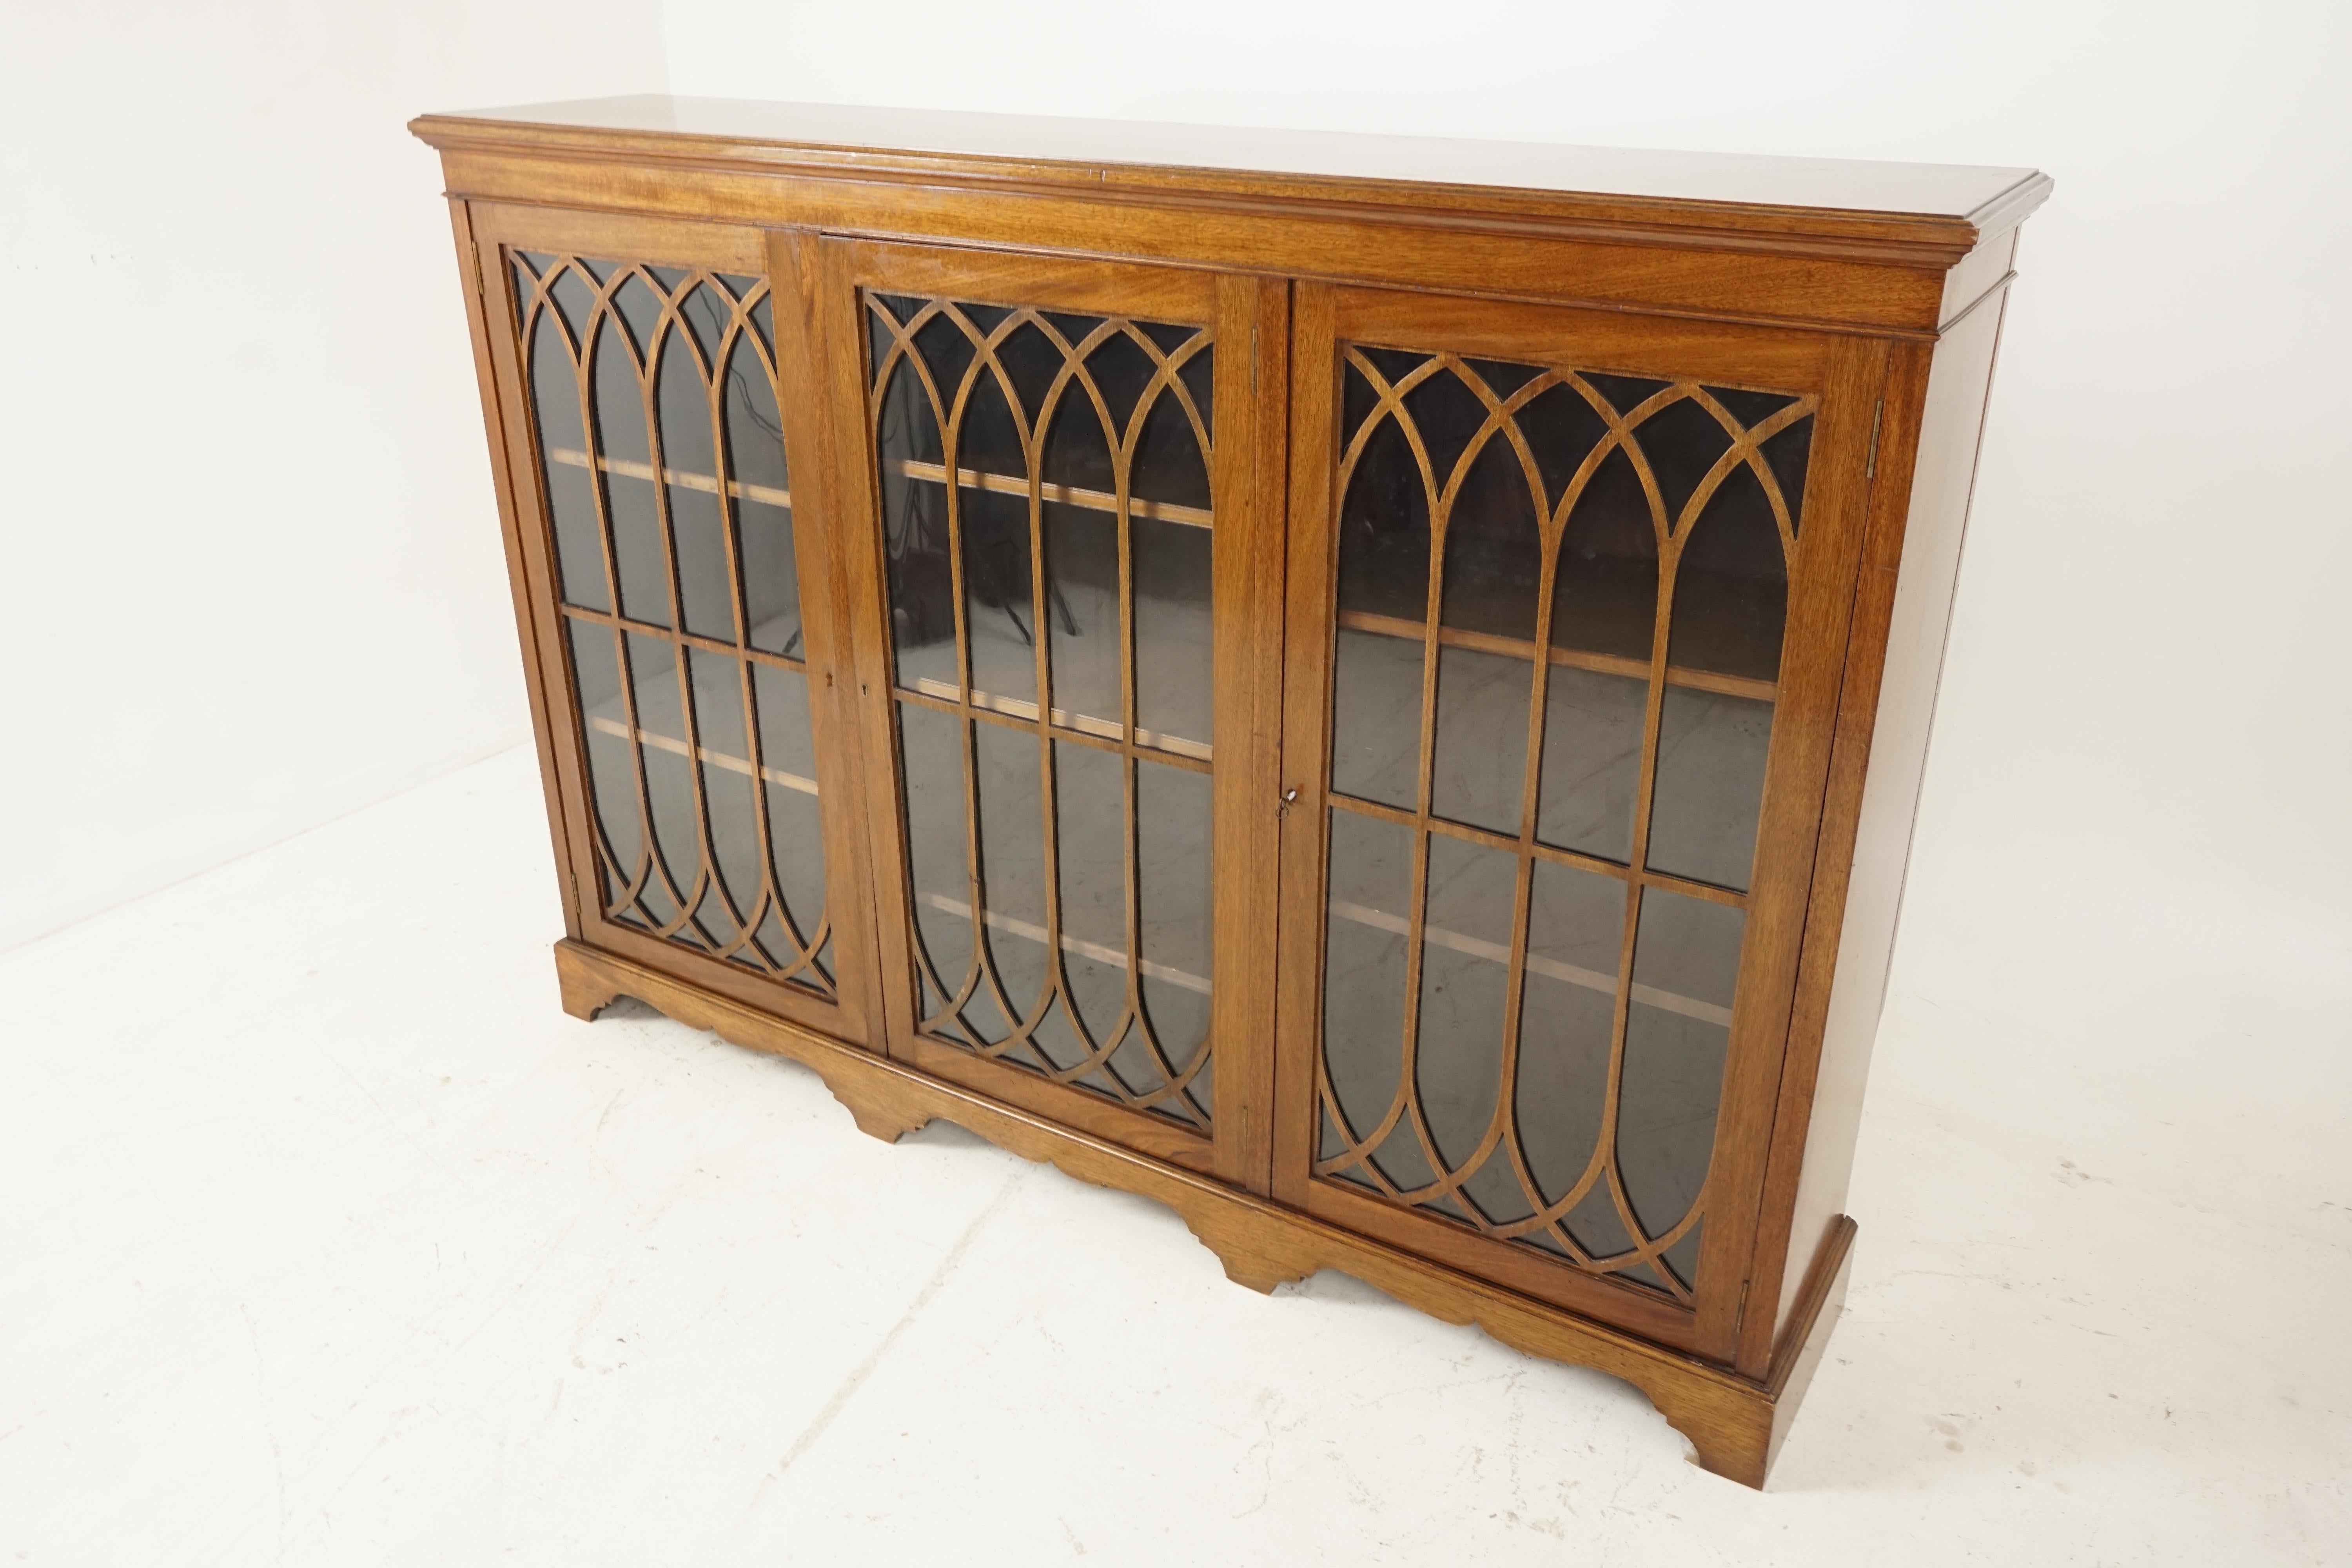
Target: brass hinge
(1870, 468)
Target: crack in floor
(857, 1380)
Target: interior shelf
(1084, 948)
(1477, 947)
(1580, 659)
(1067, 495)
(1063, 718)
(767, 495)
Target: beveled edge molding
(1735, 1424)
(1913, 240)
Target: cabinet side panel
(1951, 423)
(490, 320)
(1978, 274)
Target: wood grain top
(1945, 205)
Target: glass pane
(1446, 415)
(625, 456)
(564, 465)
(1172, 858)
(795, 832)
(1591, 761)
(786, 749)
(1682, 441)
(612, 771)
(1678, 1031)
(691, 465)
(931, 773)
(1561, 427)
(1605, 596)
(761, 492)
(1376, 718)
(1082, 565)
(1731, 587)
(1478, 770)
(663, 763)
(1384, 531)
(1730, 594)
(999, 591)
(1465, 987)
(731, 794)
(1710, 785)
(1364, 954)
(1172, 651)
(1119, 369)
(1576, 925)
(1012, 881)
(1090, 852)
(1789, 455)
(914, 537)
(1170, 469)
(1494, 549)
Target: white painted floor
(326, 1237)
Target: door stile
(1253, 317)
(1821, 605)
(840, 360)
(490, 326)
(552, 678)
(806, 390)
(1306, 729)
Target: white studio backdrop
(256, 581)
(252, 566)
(2127, 930)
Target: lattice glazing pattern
(1560, 598)
(661, 454)
(1044, 479)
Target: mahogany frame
(1889, 321)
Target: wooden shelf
(766, 495)
(1067, 495)
(1039, 934)
(1084, 723)
(703, 753)
(1590, 979)
(1578, 659)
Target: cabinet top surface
(1211, 156)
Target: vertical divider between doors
(1306, 652)
(1253, 331)
(837, 363)
(821, 537)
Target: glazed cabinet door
(1065, 570)
(655, 405)
(1567, 608)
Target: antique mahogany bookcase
(1371, 690)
